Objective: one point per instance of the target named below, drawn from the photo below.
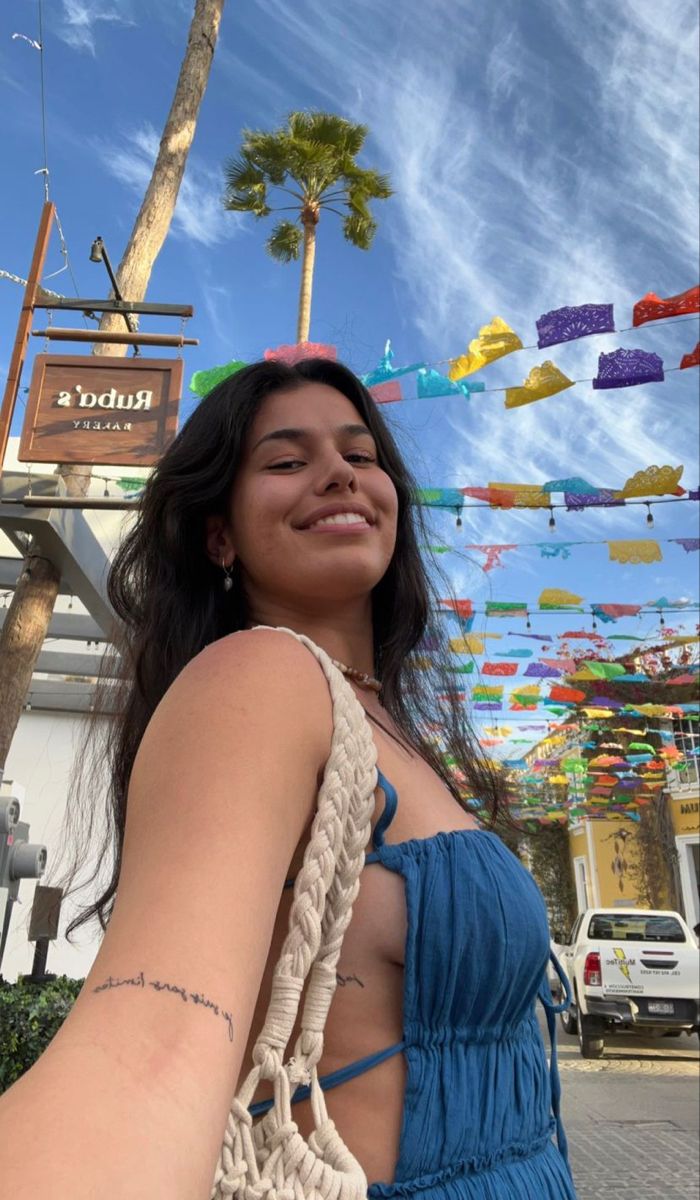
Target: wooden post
(127, 338)
(24, 325)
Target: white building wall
(41, 760)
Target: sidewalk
(632, 1119)
(653, 1160)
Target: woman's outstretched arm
(130, 1099)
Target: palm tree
(311, 159)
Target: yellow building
(603, 852)
(603, 857)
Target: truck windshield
(630, 927)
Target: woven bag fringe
(267, 1158)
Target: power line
(64, 246)
(64, 252)
(43, 101)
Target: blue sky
(542, 154)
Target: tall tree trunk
(18, 650)
(156, 213)
(307, 276)
(22, 637)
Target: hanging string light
(552, 523)
(650, 515)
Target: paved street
(632, 1118)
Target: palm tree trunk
(307, 277)
(22, 637)
(28, 618)
(156, 213)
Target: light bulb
(650, 517)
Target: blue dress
(481, 1104)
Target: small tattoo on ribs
(139, 981)
(343, 980)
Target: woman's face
(313, 515)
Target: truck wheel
(590, 1039)
(569, 1020)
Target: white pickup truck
(630, 969)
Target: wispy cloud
(537, 162)
(199, 216)
(8, 80)
(220, 306)
(76, 25)
(263, 90)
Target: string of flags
(652, 481)
(625, 367)
(555, 600)
(610, 770)
(635, 551)
(563, 550)
(598, 762)
(564, 670)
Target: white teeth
(341, 519)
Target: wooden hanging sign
(101, 410)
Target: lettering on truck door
(621, 971)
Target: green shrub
(30, 1015)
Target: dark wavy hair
(170, 602)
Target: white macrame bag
(267, 1158)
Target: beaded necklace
(368, 681)
(358, 677)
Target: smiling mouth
(350, 521)
(359, 525)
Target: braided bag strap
(324, 892)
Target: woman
(284, 502)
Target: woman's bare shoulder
(255, 696)
(266, 650)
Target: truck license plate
(661, 1007)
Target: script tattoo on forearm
(139, 981)
(343, 980)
